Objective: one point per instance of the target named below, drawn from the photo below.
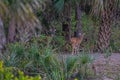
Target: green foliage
(62, 69)
(16, 48)
(90, 29)
(58, 42)
(15, 56)
(59, 5)
(85, 58)
(84, 70)
(115, 39)
(6, 73)
(36, 59)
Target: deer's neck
(80, 38)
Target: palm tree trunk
(78, 19)
(104, 34)
(66, 25)
(105, 27)
(2, 35)
(11, 30)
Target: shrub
(36, 59)
(6, 73)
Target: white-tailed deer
(75, 42)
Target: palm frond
(59, 5)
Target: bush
(35, 59)
(6, 73)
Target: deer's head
(81, 35)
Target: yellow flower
(20, 72)
(16, 78)
(1, 66)
(38, 77)
(75, 79)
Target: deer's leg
(75, 49)
(72, 50)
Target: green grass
(34, 58)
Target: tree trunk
(66, 31)
(105, 27)
(78, 19)
(66, 25)
(11, 30)
(104, 35)
(2, 35)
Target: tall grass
(41, 59)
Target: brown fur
(75, 42)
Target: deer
(75, 42)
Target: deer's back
(75, 40)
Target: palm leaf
(59, 5)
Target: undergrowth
(42, 59)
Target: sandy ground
(107, 68)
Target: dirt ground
(107, 67)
